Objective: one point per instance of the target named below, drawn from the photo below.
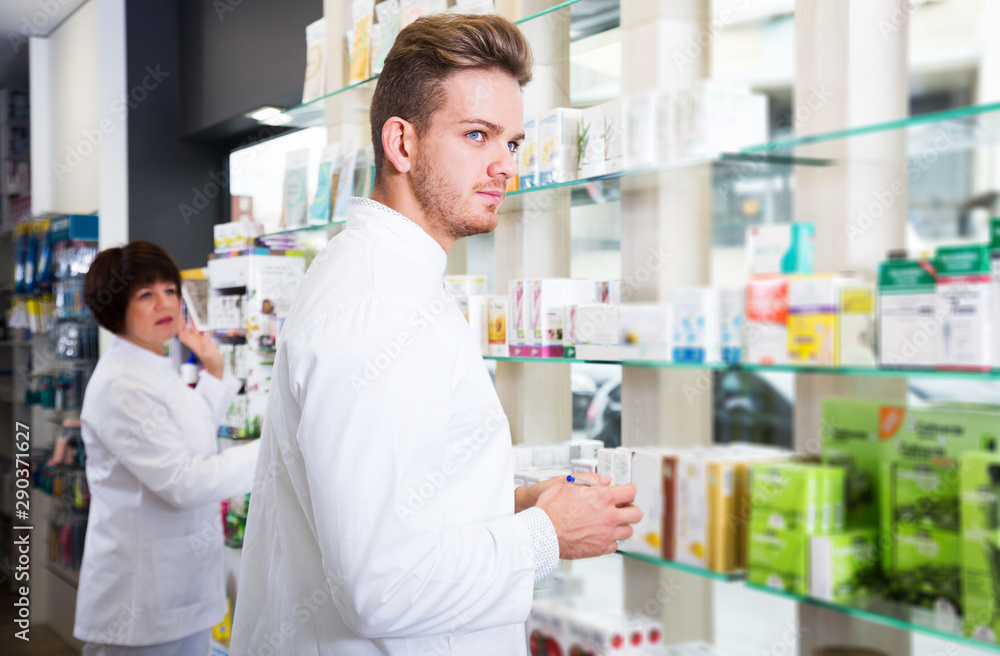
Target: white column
(40, 83)
(666, 244)
(851, 70)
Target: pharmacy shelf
(768, 368)
(891, 614)
(689, 569)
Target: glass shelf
(891, 614)
(303, 228)
(770, 368)
(689, 569)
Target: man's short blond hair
(430, 49)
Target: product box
(646, 331)
(642, 129)
(557, 137)
(523, 456)
(614, 136)
(813, 333)
(547, 300)
(925, 569)
(731, 324)
(909, 330)
(591, 332)
(785, 248)
(995, 260)
(859, 435)
(225, 312)
(236, 235)
(496, 316)
(584, 449)
(467, 285)
(475, 309)
(690, 522)
(856, 325)
(621, 468)
(606, 462)
(590, 142)
(980, 476)
(654, 496)
(925, 496)
(965, 307)
(723, 533)
(608, 291)
(712, 118)
(787, 497)
(527, 170)
(766, 338)
(551, 456)
(843, 565)
(779, 559)
(583, 466)
(697, 326)
(517, 320)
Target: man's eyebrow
(493, 127)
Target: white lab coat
(382, 520)
(152, 561)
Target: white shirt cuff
(544, 541)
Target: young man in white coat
(382, 519)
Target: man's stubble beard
(442, 205)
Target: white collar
(134, 352)
(414, 241)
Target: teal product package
(980, 510)
(843, 565)
(779, 559)
(859, 435)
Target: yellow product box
(723, 533)
(856, 334)
(813, 325)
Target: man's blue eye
(513, 146)
(475, 132)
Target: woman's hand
(204, 348)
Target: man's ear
(399, 141)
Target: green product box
(779, 559)
(832, 483)
(981, 545)
(925, 496)
(786, 497)
(859, 435)
(843, 565)
(926, 569)
(939, 436)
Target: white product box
(965, 305)
(592, 331)
(225, 312)
(475, 309)
(467, 285)
(236, 235)
(766, 337)
(599, 633)
(731, 323)
(621, 472)
(646, 331)
(523, 457)
(696, 325)
(528, 155)
(642, 129)
(583, 466)
(909, 324)
(496, 315)
(517, 319)
(614, 136)
(547, 300)
(714, 117)
(856, 321)
(585, 449)
(557, 137)
(691, 510)
(551, 456)
(606, 462)
(590, 151)
(649, 534)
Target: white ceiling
(43, 17)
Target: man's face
(466, 156)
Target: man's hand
(589, 520)
(527, 497)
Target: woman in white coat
(151, 582)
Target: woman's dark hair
(115, 275)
